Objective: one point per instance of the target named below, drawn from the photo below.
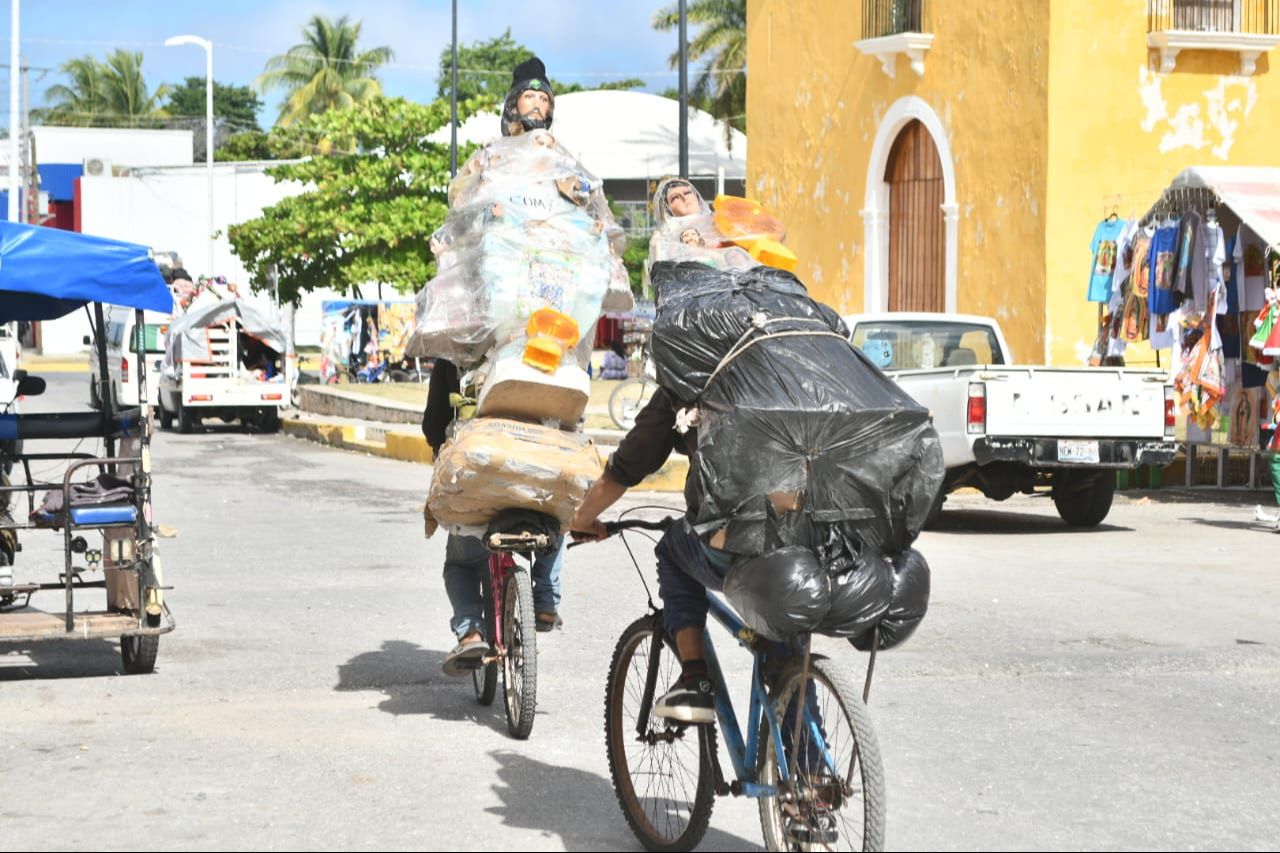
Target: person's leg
(1275, 482)
(465, 561)
(545, 576)
(684, 575)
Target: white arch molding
(875, 215)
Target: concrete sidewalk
(349, 420)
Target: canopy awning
(46, 273)
(1252, 193)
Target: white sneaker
(1260, 514)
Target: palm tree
(104, 93)
(722, 41)
(325, 72)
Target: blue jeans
(465, 562)
(686, 570)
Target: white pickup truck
(1009, 428)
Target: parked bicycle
(510, 622)
(813, 765)
(631, 396)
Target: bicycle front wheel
(836, 798)
(661, 775)
(485, 678)
(520, 663)
(628, 399)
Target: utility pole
(31, 182)
(684, 92)
(15, 157)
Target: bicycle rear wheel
(661, 777)
(520, 663)
(628, 399)
(837, 799)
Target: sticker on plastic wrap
(553, 279)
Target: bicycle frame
(499, 565)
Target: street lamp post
(208, 130)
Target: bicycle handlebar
(614, 527)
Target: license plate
(1077, 451)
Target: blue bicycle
(813, 764)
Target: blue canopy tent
(46, 273)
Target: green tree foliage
(104, 94)
(327, 71)
(721, 40)
(484, 71)
(368, 212)
(236, 106)
(256, 145)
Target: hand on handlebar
(587, 530)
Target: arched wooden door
(917, 237)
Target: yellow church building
(957, 156)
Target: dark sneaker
(688, 702)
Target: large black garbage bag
(860, 598)
(802, 440)
(908, 604)
(781, 593)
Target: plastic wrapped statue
(686, 229)
(528, 229)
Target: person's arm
(644, 450)
(439, 413)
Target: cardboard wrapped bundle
(492, 464)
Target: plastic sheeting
(528, 228)
(187, 340)
(843, 462)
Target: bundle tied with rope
(814, 469)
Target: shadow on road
(413, 683)
(978, 521)
(577, 807)
(62, 659)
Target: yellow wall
(1050, 109)
(1118, 127)
(814, 104)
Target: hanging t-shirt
(1189, 270)
(1229, 321)
(1124, 263)
(1162, 265)
(1136, 326)
(1250, 254)
(1215, 254)
(1105, 250)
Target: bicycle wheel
(628, 399)
(520, 663)
(485, 678)
(661, 778)
(837, 799)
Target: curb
(408, 447)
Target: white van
(122, 351)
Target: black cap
(530, 74)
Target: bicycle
(510, 626)
(631, 396)
(831, 797)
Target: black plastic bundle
(802, 441)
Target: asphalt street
(1116, 688)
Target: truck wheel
(269, 420)
(166, 417)
(187, 419)
(1083, 499)
(95, 400)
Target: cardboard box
(492, 464)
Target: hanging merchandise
(1134, 323)
(1162, 260)
(1250, 255)
(1105, 250)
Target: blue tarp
(46, 273)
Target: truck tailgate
(1074, 402)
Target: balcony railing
(889, 17)
(1261, 17)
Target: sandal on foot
(464, 658)
(545, 622)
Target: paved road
(1116, 688)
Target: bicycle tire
(856, 818)
(520, 663)
(662, 815)
(485, 678)
(628, 399)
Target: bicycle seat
(521, 530)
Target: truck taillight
(977, 420)
(273, 396)
(1170, 413)
(124, 369)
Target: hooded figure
(533, 112)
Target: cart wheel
(187, 419)
(166, 417)
(138, 652)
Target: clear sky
(579, 40)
